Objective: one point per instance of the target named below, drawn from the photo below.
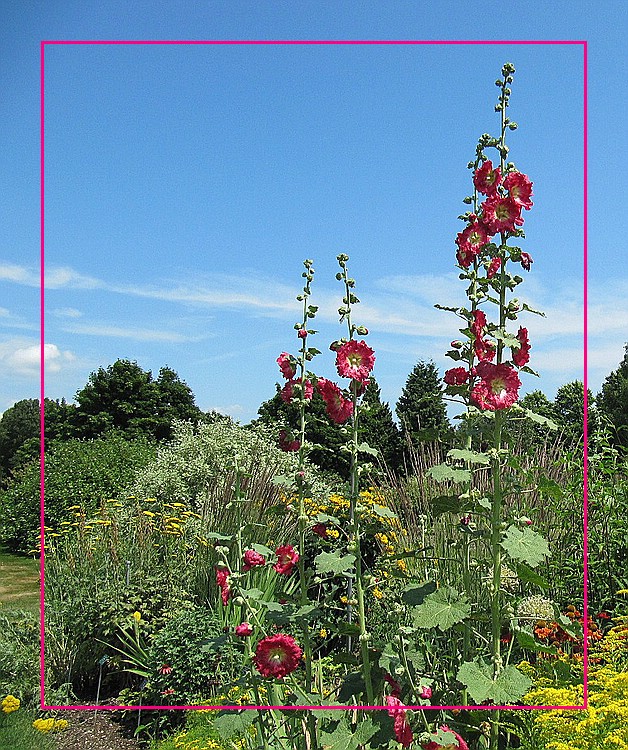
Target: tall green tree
(127, 398)
(569, 410)
(378, 427)
(612, 401)
(421, 409)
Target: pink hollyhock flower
(287, 558)
(290, 446)
(498, 387)
(526, 261)
(486, 179)
(251, 559)
(222, 579)
(470, 241)
(292, 390)
(287, 365)
(396, 687)
(460, 744)
(484, 350)
(339, 408)
(244, 629)
(320, 529)
(494, 267)
(456, 376)
(355, 360)
(519, 188)
(479, 323)
(302, 333)
(426, 693)
(501, 214)
(277, 655)
(396, 709)
(521, 356)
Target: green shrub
(76, 473)
(19, 656)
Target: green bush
(19, 656)
(76, 473)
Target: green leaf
(333, 562)
(218, 537)
(528, 641)
(343, 738)
(383, 512)
(530, 371)
(539, 419)
(444, 473)
(529, 309)
(526, 546)
(307, 612)
(571, 627)
(506, 338)
(549, 488)
(415, 595)
(345, 658)
(366, 448)
(527, 575)
(509, 687)
(442, 609)
(233, 723)
(263, 550)
(448, 309)
(472, 457)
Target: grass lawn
(19, 583)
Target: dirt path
(89, 731)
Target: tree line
(126, 399)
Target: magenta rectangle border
(583, 44)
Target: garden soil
(89, 732)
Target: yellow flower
(378, 593)
(148, 513)
(10, 704)
(323, 633)
(44, 725)
(137, 616)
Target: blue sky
(185, 184)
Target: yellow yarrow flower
(10, 704)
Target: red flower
(521, 356)
(501, 214)
(277, 655)
(396, 687)
(286, 444)
(470, 241)
(355, 360)
(498, 387)
(165, 669)
(459, 745)
(302, 333)
(244, 629)
(252, 558)
(222, 579)
(168, 691)
(287, 365)
(292, 389)
(287, 558)
(320, 529)
(479, 322)
(426, 693)
(519, 188)
(486, 179)
(396, 709)
(339, 408)
(494, 267)
(603, 615)
(484, 350)
(456, 376)
(526, 261)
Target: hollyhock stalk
(354, 489)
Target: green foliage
(525, 545)
(421, 406)
(76, 473)
(19, 656)
(199, 669)
(17, 732)
(127, 398)
(442, 609)
(569, 411)
(509, 687)
(612, 401)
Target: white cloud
(20, 358)
(137, 334)
(67, 312)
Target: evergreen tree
(569, 410)
(379, 429)
(421, 409)
(612, 401)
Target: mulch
(89, 730)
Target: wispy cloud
(137, 334)
(67, 312)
